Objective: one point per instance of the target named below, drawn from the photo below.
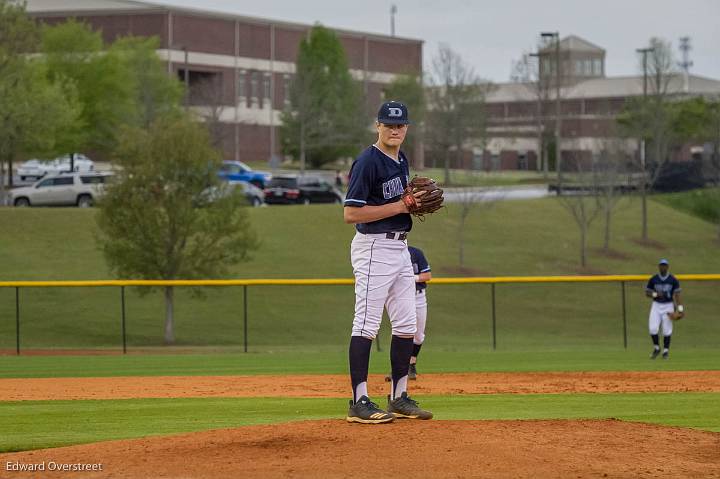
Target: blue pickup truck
(239, 171)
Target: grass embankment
(512, 238)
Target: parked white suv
(38, 168)
(66, 189)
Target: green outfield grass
(432, 361)
(512, 238)
(40, 424)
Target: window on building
(522, 160)
(242, 86)
(286, 89)
(578, 67)
(588, 68)
(266, 88)
(254, 89)
(597, 67)
(204, 87)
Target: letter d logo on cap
(394, 112)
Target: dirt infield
(418, 449)
(337, 385)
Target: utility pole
(558, 81)
(542, 157)
(686, 63)
(643, 185)
(393, 11)
(187, 78)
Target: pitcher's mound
(437, 449)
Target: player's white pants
(384, 278)
(659, 315)
(421, 313)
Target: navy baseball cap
(664, 261)
(393, 113)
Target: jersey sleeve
(676, 286)
(651, 284)
(362, 177)
(422, 263)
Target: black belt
(397, 236)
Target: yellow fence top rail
(319, 282)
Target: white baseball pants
(384, 278)
(421, 313)
(659, 315)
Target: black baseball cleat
(412, 372)
(654, 354)
(406, 408)
(367, 412)
(666, 354)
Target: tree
(36, 114)
(408, 89)
(527, 72)
(121, 84)
(651, 118)
(209, 94)
(325, 119)
(584, 206)
(456, 107)
(105, 86)
(159, 222)
(156, 94)
(470, 199)
(698, 119)
(609, 169)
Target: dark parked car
(680, 176)
(285, 190)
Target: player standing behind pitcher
(376, 204)
(664, 289)
(421, 268)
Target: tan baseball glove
(430, 202)
(676, 315)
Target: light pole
(186, 73)
(187, 77)
(643, 186)
(558, 138)
(540, 95)
(393, 11)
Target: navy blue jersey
(376, 179)
(665, 287)
(420, 265)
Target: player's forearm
(423, 277)
(367, 214)
(677, 299)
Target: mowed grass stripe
(41, 424)
(431, 361)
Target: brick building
(249, 61)
(521, 113)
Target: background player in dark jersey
(664, 289)
(381, 264)
(421, 268)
